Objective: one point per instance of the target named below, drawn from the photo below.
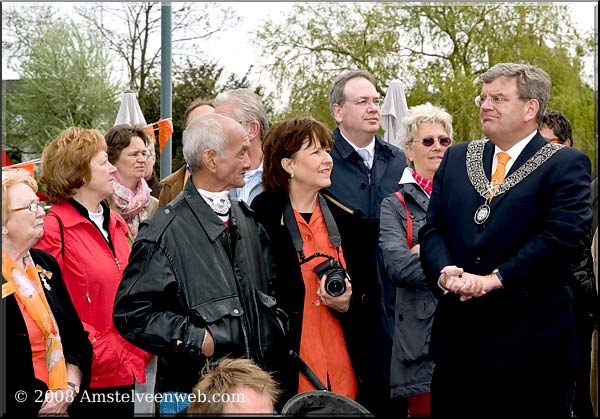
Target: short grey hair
(532, 82)
(416, 116)
(151, 150)
(247, 107)
(203, 133)
(336, 92)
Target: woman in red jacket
(90, 243)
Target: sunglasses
(428, 141)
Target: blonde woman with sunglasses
(427, 134)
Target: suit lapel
(530, 149)
(488, 159)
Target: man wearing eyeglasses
(365, 170)
(506, 223)
(247, 108)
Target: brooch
(45, 276)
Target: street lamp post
(165, 83)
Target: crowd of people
(437, 278)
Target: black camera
(334, 283)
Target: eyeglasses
(428, 141)
(495, 100)
(33, 206)
(364, 102)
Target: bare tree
(22, 24)
(129, 28)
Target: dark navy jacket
(356, 194)
(355, 197)
(355, 186)
(534, 236)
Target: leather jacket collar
(209, 221)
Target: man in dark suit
(505, 225)
(365, 170)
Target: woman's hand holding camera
(340, 303)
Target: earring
(4, 231)
(291, 176)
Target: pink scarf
(424, 183)
(132, 204)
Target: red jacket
(92, 275)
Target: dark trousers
(374, 358)
(582, 402)
(475, 392)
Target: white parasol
(393, 110)
(130, 111)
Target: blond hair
(223, 377)
(11, 177)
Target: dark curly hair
(558, 123)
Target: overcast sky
(233, 49)
(253, 13)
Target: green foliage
(65, 81)
(437, 50)
(191, 80)
(320, 40)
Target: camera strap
(292, 226)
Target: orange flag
(165, 129)
(150, 130)
(27, 165)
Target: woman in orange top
(297, 165)
(47, 350)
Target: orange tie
(500, 171)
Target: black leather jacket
(186, 275)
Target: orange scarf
(34, 300)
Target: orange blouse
(38, 344)
(322, 344)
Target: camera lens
(335, 285)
